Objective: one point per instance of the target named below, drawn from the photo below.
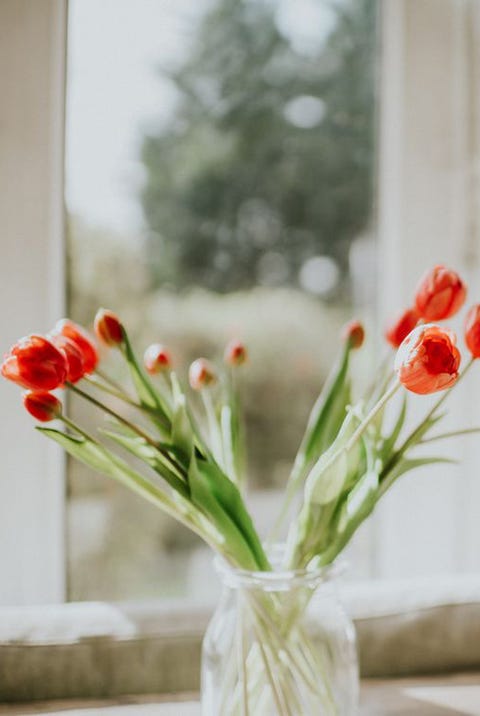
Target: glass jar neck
(278, 579)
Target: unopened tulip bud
(399, 329)
(354, 333)
(201, 374)
(440, 294)
(75, 364)
(82, 340)
(108, 328)
(157, 359)
(235, 353)
(42, 405)
(472, 331)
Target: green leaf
(228, 442)
(421, 430)
(231, 501)
(336, 467)
(404, 465)
(88, 452)
(203, 478)
(407, 464)
(182, 431)
(360, 499)
(146, 392)
(326, 481)
(232, 431)
(102, 460)
(326, 417)
(154, 458)
(98, 457)
(389, 443)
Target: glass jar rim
(277, 579)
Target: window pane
(220, 159)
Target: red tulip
(428, 360)
(108, 328)
(354, 333)
(235, 353)
(157, 359)
(401, 327)
(201, 374)
(42, 405)
(472, 331)
(35, 363)
(440, 294)
(75, 364)
(82, 340)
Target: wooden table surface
(423, 696)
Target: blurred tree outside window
(251, 193)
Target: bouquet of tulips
(192, 447)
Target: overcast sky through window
(115, 91)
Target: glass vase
(279, 644)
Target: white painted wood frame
(32, 88)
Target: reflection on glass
(219, 183)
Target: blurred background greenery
(256, 200)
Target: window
(425, 153)
(220, 161)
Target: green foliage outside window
(268, 159)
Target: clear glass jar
(279, 644)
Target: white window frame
(32, 91)
(429, 127)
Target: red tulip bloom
(201, 374)
(440, 294)
(42, 405)
(428, 360)
(235, 353)
(82, 340)
(75, 364)
(157, 359)
(472, 331)
(108, 328)
(402, 326)
(35, 363)
(354, 333)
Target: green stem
(118, 392)
(112, 413)
(452, 434)
(371, 415)
(242, 656)
(149, 440)
(286, 505)
(270, 676)
(76, 428)
(106, 378)
(179, 510)
(213, 427)
(115, 392)
(145, 390)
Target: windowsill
(95, 650)
(423, 696)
